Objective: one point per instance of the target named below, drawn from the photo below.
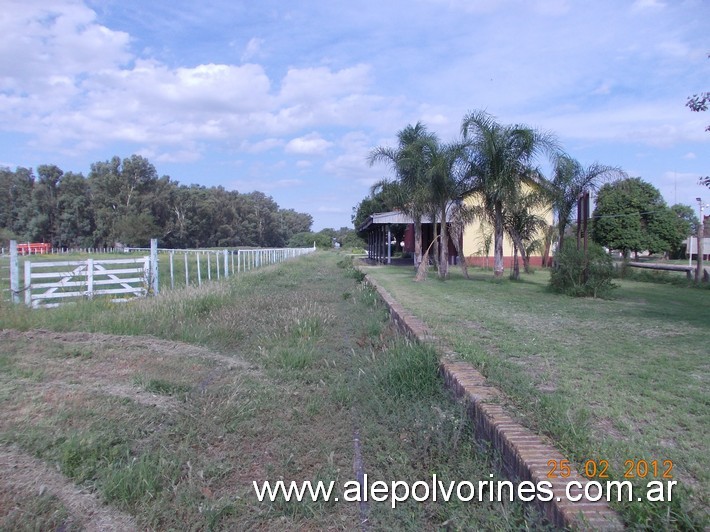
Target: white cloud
(314, 85)
(644, 5)
(73, 79)
(264, 185)
(42, 39)
(603, 89)
(477, 6)
(261, 145)
(311, 144)
(252, 49)
(351, 165)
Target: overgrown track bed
(621, 381)
(168, 409)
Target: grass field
(161, 413)
(619, 380)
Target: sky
(288, 98)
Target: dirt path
(104, 341)
(28, 476)
(70, 367)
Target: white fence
(48, 284)
(45, 282)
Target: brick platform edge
(524, 455)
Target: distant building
(381, 244)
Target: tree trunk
(435, 243)
(456, 238)
(417, 241)
(498, 241)
(444, 262)
(546, 255)
(516, 268)
(423, 267)
(519, 245)
(562, 236)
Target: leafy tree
(349, 238)
(125, 200)
(374, 202)
(291, 222)
(631, 215)
(16, 201)
(75, 212)
(687, 224)
(688, 221)
(307, 238)
(121, 191)
(501, 156)
(570, 179)
(44, 222)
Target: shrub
(568, 275)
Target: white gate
(47, 282)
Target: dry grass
(168, 409)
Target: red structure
(33, 248)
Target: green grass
(620, 379)
(267, 376)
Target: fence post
(14, 273)
(90, 278)
(187, 273)
(172, 279)
(199, 274)
(154, 264)
(28, 283)
(226, 264)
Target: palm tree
(500, 158)
(570, 180)
(523, 225)
(408, 162)
(449, 182)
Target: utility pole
(699, 271)
(582, 234)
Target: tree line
(499, 165)
(125, 201)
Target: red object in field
(33, 248)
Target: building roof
(391, 217)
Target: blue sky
(289, 97)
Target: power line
(622, 215)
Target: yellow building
(476, 234)
(381, 245)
